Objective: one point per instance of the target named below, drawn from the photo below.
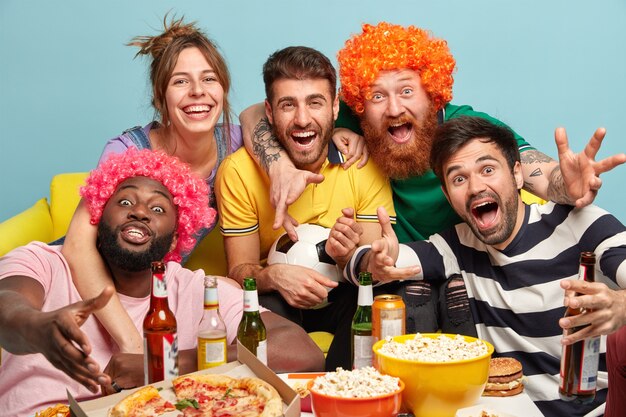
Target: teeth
(135, 232)
(483, 204)
(304, 134)
(396, 124)
(197, 108)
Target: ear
(268, 112)
(518, 175)
(336, 107)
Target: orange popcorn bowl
(381, 406)
(437, 389)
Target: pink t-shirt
(29, 383)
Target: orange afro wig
(390, 47)
(190, 193)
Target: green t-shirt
(421, 207)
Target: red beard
(400, 161)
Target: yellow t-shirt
(242, 190)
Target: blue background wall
(68, 83)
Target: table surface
(516, 406)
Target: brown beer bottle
(159, 332)
(579, 361)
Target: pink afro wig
(190, 193)
(391, 47)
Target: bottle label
(261, 351)
(365, 295)
(589, 364)
(250, 301)
(170, 356)
(211, 352)
(390, 327)
(362, 351)
(158, 286)
(210, 298)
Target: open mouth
(400, 132)
(136, 234)
(197, 111)
(304, 139)
(485, 214)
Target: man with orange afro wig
(398, 83)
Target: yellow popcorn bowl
(437, 389)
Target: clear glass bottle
(212, 337)
(251, 332)
(361, 331)
(579, 361)
(159, 332)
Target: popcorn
(440, 349)
(359, 383)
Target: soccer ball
(308, 251)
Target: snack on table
(439, 349)
(145, 402)
(505, 378)
(59, 410)
(222, 395)
(205, 395)
(358, 383)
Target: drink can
(388, 316)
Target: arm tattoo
(533, 156)
(557, 191)
(265, 145)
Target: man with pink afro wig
(189, 192)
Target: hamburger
(505, 378)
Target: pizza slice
(145, 402)
(223, 396)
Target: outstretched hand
(66, 346)
(605, 309)
(581, 172)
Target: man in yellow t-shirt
(301, 106)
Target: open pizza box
(246, 365)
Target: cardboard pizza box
(246, 365)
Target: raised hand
(605, 309)
(382, 257)
(581, 172)
(352, 145)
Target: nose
(475, 185)
(139, 212)
(394, 107)
(303, 117)
(196, 89)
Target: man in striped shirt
(516, 260)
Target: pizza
(205, 395)
(145, 402)
(222, 396)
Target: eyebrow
(123, 187)
(481, 159)
(208, 71)
(307, 98)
